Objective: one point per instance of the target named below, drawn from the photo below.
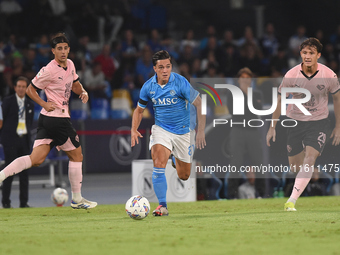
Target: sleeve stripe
(335, 92)
(141, 101)
(198, 94)
(76, 80)
(35, 86)
(141, 105)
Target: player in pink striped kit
(58, 78)
(306, 141)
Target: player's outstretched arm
(271, 134)
(32, 93)
(201, 119)
(79, 90)
(336, 131)
(136, 119)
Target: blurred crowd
(112, 43)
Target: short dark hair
(59, 38)
(245, 70)
(21, 78)
(159, 55)
(311, 42)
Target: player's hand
(336, 136)
(134, 137)
(270, 134)
(84, 97)
(49, 106)
(200, 140)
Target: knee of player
(76, 158)
(37, 162)
(159, 163)
(309, 159)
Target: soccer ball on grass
(137, 207)
(59, 196)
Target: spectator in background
(186, 56)
(31, 67)
(144, 66)
(1, 118)
(129, 48)
(209, 60)
(228, 38)
(18, 112)
(329, 53)
(335, 39)
(248, 38)
(279, 62)
(170, 45)
(2, 69)
(189, 40)
(13, 71)
(269, 43)
(250, 58)
(320, 36)
(184, 70)
(244, 140)
(294, 45)
(83, 54)
(154, 42)
(196, 71)
(107, 62)
(231, 60)
(267, 86)
(211, 31)
(94, 81)
(212, 71)
(43, 49)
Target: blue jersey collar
(171, 79)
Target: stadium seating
(79, 111)
(121, 104)
(119, 114)
(99, 108)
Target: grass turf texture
(205, 227)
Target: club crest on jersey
(320, 87)
(172, 92)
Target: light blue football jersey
(172, 103)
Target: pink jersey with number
(323, 82)
(57, 83)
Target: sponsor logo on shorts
(77, 138)
(289, 148)
(321, 139)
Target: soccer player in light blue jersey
(175, 104)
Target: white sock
(2, 176)
(76, 197)
(291, 200)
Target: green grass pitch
(205, 227)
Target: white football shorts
(181, 146)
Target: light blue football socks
(159, 185)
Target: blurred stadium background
(112, 43)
